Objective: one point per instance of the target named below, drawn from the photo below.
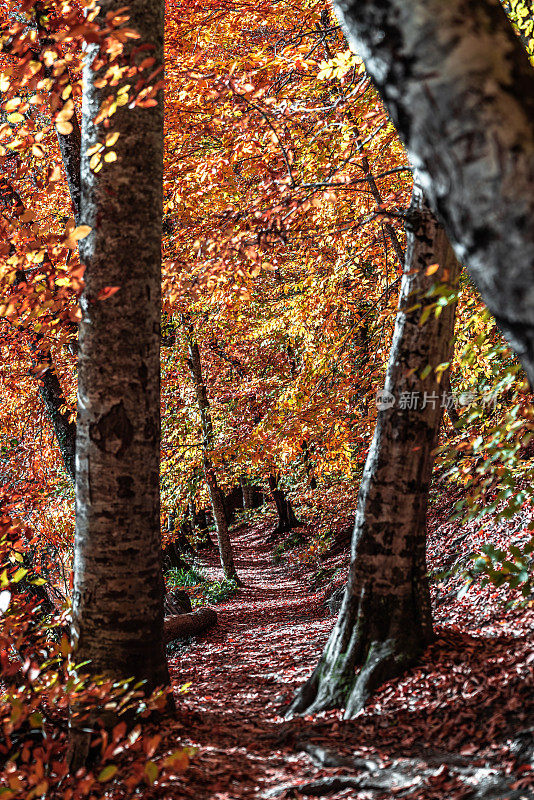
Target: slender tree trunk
(216, 495)
(117, 600)
(49, 385)
(459, 87)
(69, 143)
(385, 619)
(308, 464)
(55, 403)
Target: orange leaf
(107, 292)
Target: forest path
(463, 701)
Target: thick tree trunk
(385, 619)
(117, 600)
(216, 495)
(458, 85)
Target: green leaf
(151, 772)
(107, 773)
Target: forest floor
(460, 724)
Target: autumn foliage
(285, 189)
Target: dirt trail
(461, 707)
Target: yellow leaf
(432, 269)
(111, 138)
(111, 156)
(64, 127)
(15, 117)
(151, 772)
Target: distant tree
(206, 423)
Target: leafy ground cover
(200, 588)
(460, 724)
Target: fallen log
(180, 625)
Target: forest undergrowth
(457, 725)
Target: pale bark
(460, 90)
(385, 619)
(206, 423)
(117, 599)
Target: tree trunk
(216, 495)
(385, 619)
(189, 624)
(248, 493)
(286, 516)
(458, 85)
(54, 403)
(49, 385)
(308, 465)
(117, 609)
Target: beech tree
(117, 598)
(385, 620)
(459, 88)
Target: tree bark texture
(176, 627)
(117, 600)
(215, 493)
(385, 618)
(458, 85)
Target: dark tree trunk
(308, 465)
(117, 608)
(200, 522)
(233, 501)
(286, 516)
(171, 554)
(385, 619)
(69, 143)
(55, 403)
(216, 495)
(49, 386)
(248, 493)
(459, 87)
(192, 624)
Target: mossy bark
(385, 619)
